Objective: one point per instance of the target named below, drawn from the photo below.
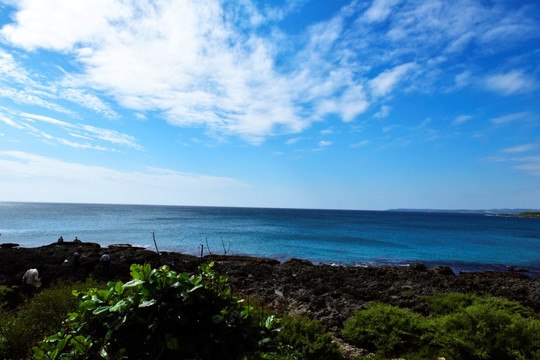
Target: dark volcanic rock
(330, 294)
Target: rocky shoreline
(327, 293)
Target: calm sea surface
(466, 242)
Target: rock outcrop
(330, 294)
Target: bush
(9, 297)
(489, 328)
(388, 329)
(309, 338)
(463, 326)
(171, 315)
(449, 303)
(37, 317)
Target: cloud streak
(92, 134)
(80, 181)
(513, 82)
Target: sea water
(465, 242)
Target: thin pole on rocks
(155, 243)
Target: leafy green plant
(388, 329)
(489, 328)
(9, 297)
(171, 315)
(462, 326)
(38, 316)
(444, 304)
(309, 338)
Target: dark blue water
(466, 242)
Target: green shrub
(444, 304)
(489, 328)
(170, 315)
(9, 297)
(462, 327)
(37, 317)
(387, 329)
(309, 338)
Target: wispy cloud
(384, 112)
(520, 148)
(527, 164)
(506, 119)
(6, 120)
(89, 183)
(360, 143)
(231, 70)
(385, 82)
(22, 121)
(21, 86)
(22, 165)
(510, 83)
(461, 119)
(293, 140)
(379, 10)
(324, 143)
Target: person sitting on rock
(60, 239)
(76, 240)
(31, 281)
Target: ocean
(463, 241)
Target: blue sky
(312, 104)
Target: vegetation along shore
(344, 300)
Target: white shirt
(31, 277)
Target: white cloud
(379, 10)
(205, 63)
(506, 119)
(38, 24)
(111, 136)
(461, 119)
(79, 131)
(293, 141)
(47, 119)
(529, 164)
(188, 61)
(510, 83)
(520, 148)
(384, 112)
(385, 82)
(463, 79)
(89, 101)
(10, 69)
(26, 96)
(360, 143)
(10, 122)
(40, 178)
(324, 143)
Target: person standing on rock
(76, 263)
(31, 281)
(105, 261)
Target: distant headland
(499, 212)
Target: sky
(332, 104)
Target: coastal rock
(9, 245)
(327, 293)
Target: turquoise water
(463, 241)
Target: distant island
(500, 212)
(528, 214)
